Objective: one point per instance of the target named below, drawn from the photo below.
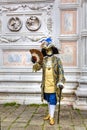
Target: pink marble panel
(68, 21)
(69, 53)
(16, 58)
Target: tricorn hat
(47, 43)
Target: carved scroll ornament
(33, 23)
(14, 24)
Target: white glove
(60, 85)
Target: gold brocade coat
(58, 73)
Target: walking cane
(59, 104)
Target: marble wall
(22, 25)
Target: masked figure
(52, 76)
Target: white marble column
(81, 92)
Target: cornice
(73, 37)
(84, 33)
(68, 6)
(23, 1)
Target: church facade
(23, 23)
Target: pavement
(30, 117)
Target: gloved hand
(60, 85)
(36, 67)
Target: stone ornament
(14, 24)
(0, 25)
(33, 23)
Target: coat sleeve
(61, 78)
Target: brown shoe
(52, 122)
(47, 117)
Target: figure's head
(48, 49)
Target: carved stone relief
(33, 23)
(49, 24)
(0, 25)
(26, 19)
(5, 39)
(24, 38)
(14, 24)
(35, 6)
(49, 19)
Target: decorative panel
(68, 1)
(22, 26)
(69, 53)
(16, 58)
(19, 23)
(31, 18)
(68, 22)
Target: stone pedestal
(81, 94)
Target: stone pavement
(30, 117)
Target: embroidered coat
(58, 73)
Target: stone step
(20, 98)
(30, 92)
